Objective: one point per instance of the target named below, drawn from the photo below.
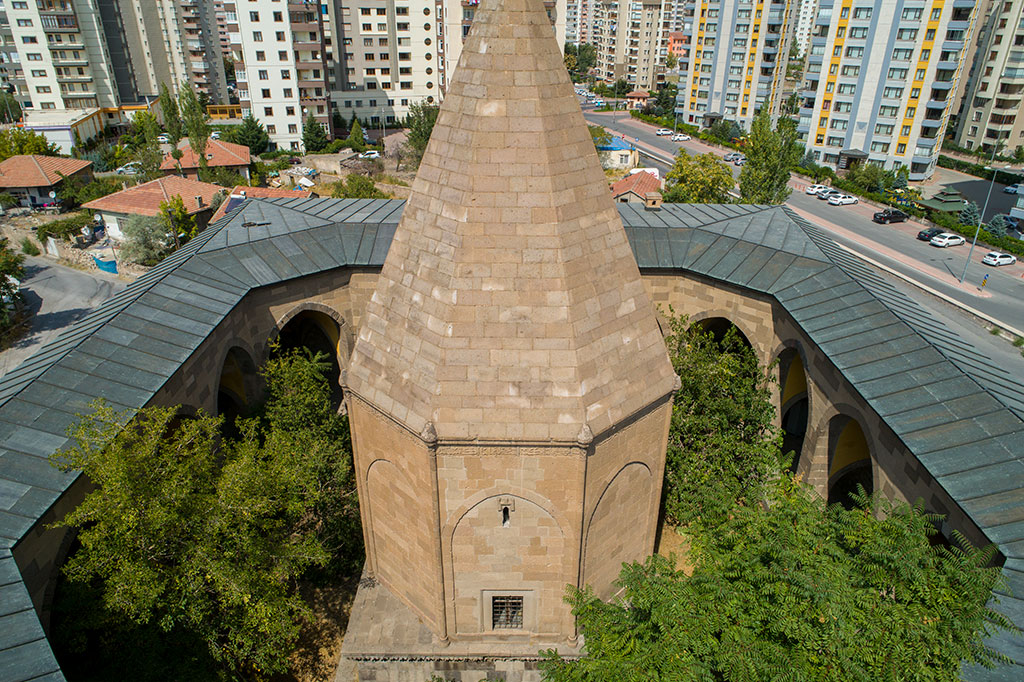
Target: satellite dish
(53, 195)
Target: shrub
(64, 228)
(979, 170)
(8, 200)
(28, 247)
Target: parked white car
(163, 139)
(680, 137)
(842, 199)
(947, 239)
(371, 154)
(663, 131)
(814, 189)
(997, 259)
(1017, 188)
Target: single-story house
(636, 187)
(34, 180)
(61, 126)
(243, 192)
(145, 199)
(637, 99)
(618, 154)
(234, 157)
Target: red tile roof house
(145, 199)
(637, 99)
(243, 192)
(232, 156)
(31, 178)
(635, 188)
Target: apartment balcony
(959, 24)
(74, 79)
(306, 44)
(308, 63)
(304, 25)
(942, 85)
(311, 83)
(963, 4)
(81, 61)
(59, 23)
(936, 103)
(200, 66)
(953, 45)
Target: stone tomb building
(506, 380)
(509, 389)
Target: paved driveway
(56, 296)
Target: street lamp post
(981, 217)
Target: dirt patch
(319, 647)
(672, 543)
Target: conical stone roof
(510, 306)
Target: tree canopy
(15, 141)
(702, 179)
(195, 123)
(782, 587)
(169, 110)
(314, 139)
(357, 186)
(252, 134)
(770, 155)
(190, 530)
(12, 270)
(420, 124)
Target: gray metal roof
(967, 430)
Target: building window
(24, 22)
(257, 36)
(278, 16)
(261, 55)
(293, 128)
(48, 105)
(506, 612)
(265, 92)
(268, 111)
(254, 16)
(29, 40)
(43, 88)
(262, 75)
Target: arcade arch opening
(317, 332)
(793, 404)
(849, 461)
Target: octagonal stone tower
(509, 391)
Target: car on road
(1017, 188)
(740, 161)
(680, 137)
(842, 199)
(731, 156)
(997, 259)
(371, 154)
(663, 131)
(814, 189)
(947, 239)
(598, 102)
(827, 194)
(890, 215)
(926, 234)
(215, 135)
(163, 139)
(132, 168)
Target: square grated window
(506, 612)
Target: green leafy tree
(665, 101)
(1018, 154)
(15, 141)
(770, 156)
(12, 270)
(8, 200)
(169, 110)
(187, 529)
(570, 62)
(621, 88)
(671, 61)
(176, 220)
(357, 187)
(586, 57)
(252, 134)
(792, 590)
(10, 108)
(703, 179)
(337, 120)
(145, 240)
(314, 139)
(195, 123)
(75, 191)
(720, 130)
(723, 444)
(147, 150)
(420, 124)
(970, 214)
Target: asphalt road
(56, 296)
(1006, 284)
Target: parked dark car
(926, 235)
(889, 215)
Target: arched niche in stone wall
(794, 403)
(507, 547)
(849, 460)
(318, 329)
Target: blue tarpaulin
(106, 265)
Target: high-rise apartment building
(76, 54)
(281, 72)
(991, 107)
(805, 11)
(383, 57)
(737, 59)
(54, 54)
(879, 81)
(630, 42)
